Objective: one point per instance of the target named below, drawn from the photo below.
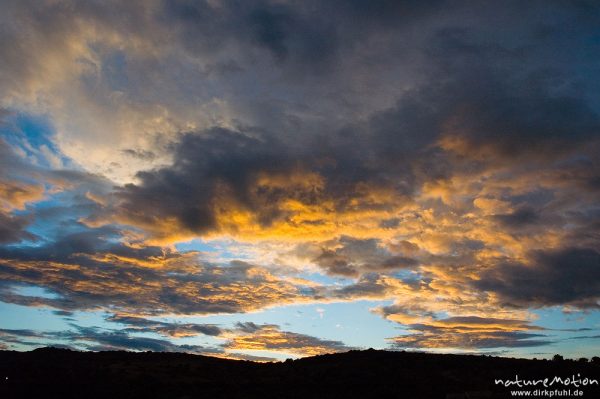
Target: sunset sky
(264, 180)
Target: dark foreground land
(60, 373)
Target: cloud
(140, 154)
(12, 229)
(242, 337)
(23, 184)
(115, 68)
(176, 330)
(429, 338)
(246, 183)
(96, 339)
(25, 337)
(218, 166)
(87, 270)
(351, 256)
(469, 332)
(370, 286)
(151, 70)
(565, 276)
(519, 218)
(269, 337)
(15, 194)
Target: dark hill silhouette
(62, 373)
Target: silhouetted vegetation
(50, 372)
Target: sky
(272, 179)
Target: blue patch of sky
(408, 276)
(33, 135)
(196, 244)
(556, 319)
(216, 251)
(34, 291)
(58, 215)
(221, 251)
(325, 279)
(16, 317)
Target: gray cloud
(140, 154)
(471, 332)
(140, 324)
(518, 219)
(95, 339)
(473, 113)
(566, 276)
(12, 229)
(98, 340)
(431, 337)
(369, 285)
(351, 256)
(188, 189)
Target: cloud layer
(209, 157)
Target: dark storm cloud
(188, 189)
(527, 92)
(566, 276)
(461, 51)
(214, 166)
(519, 218)
(515, 112)
(479, 94)
(305, 36)
(308, 34)
(473, 104)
